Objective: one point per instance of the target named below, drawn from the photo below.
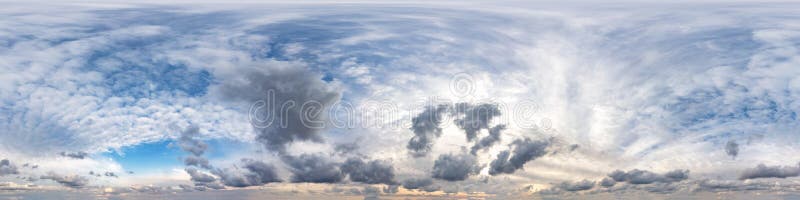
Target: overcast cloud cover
(392, 100)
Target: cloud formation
(455, 167)
(473, 118)
(426, 129)
(489, 140)
(252, 173)
(75, 155)
(732, 148)
(637, 176)
(313, 168)
(372, 172)
(7, 168)
(763, 171)
(73, 181)
(524, 150)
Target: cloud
(74, 181)
(473, 118)
(7, 168)
(417, 183)
(637, 176)
(607, 182)
(763, 171)
(252, 173)
(187, 142)
(524, 150)
(75, 155)
(455, 167)
(489, 140)
(196, 161)
(290, 102)
(732, 148)
(391, 189)
(372, 172)
(577, 186)
(426, 129)
(313, 168)
(111, 174)
(199, 177)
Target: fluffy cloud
(524, 150)
(372, 172)
(732, 148)
(252, 173)
(489, 140)
(452, 167)
(763, 171)
(473, 118)
(577, 186)
(426, 129)
(313, 168)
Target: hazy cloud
(637, 176)
(252, 173)
(577, 186)
(7, 168)
(732, 148)
(73, 181)
(75, 155)
(200, 177)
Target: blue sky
(481, 99)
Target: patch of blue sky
(166, 154)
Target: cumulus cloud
(197, 148)
(199, 177)
(196, 161)
(452, 167)
(313, 168)
(607, 182)
(426, 128)
(524, 150)
(73, 181)
(732, 148)
(473, 118)
(290, 102)
(252, 173)
(763, 171)
(489, 140)
(637, 176)
(7, 168)
(372, 172)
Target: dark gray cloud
(426, 129)
(188, 143)
(732, 148)
(199, 177)
(607, 182)
(372, 172)
(346, 148)
(637, 176)
(75, 155)
(7, 168)
(371, 193)
(489, 140)
(252, 173)
(763, 171)
(473, 118)
(313, 168)
(293, 102)
(417, 183)
(73, 181)
(196, 161)
(455, 167)
(577, 186)
(524, 150)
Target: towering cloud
(313, 168)
(426, 129)
(488, 141)
(252, 173)
(455, 167)
(637, 176)
(763, 171)
(6, 168)
(473, 118)
(289, 102)
(732, 148)
(73, 181)
(373, 172)
(197, 148)
(524, 150)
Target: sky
(397, 100)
